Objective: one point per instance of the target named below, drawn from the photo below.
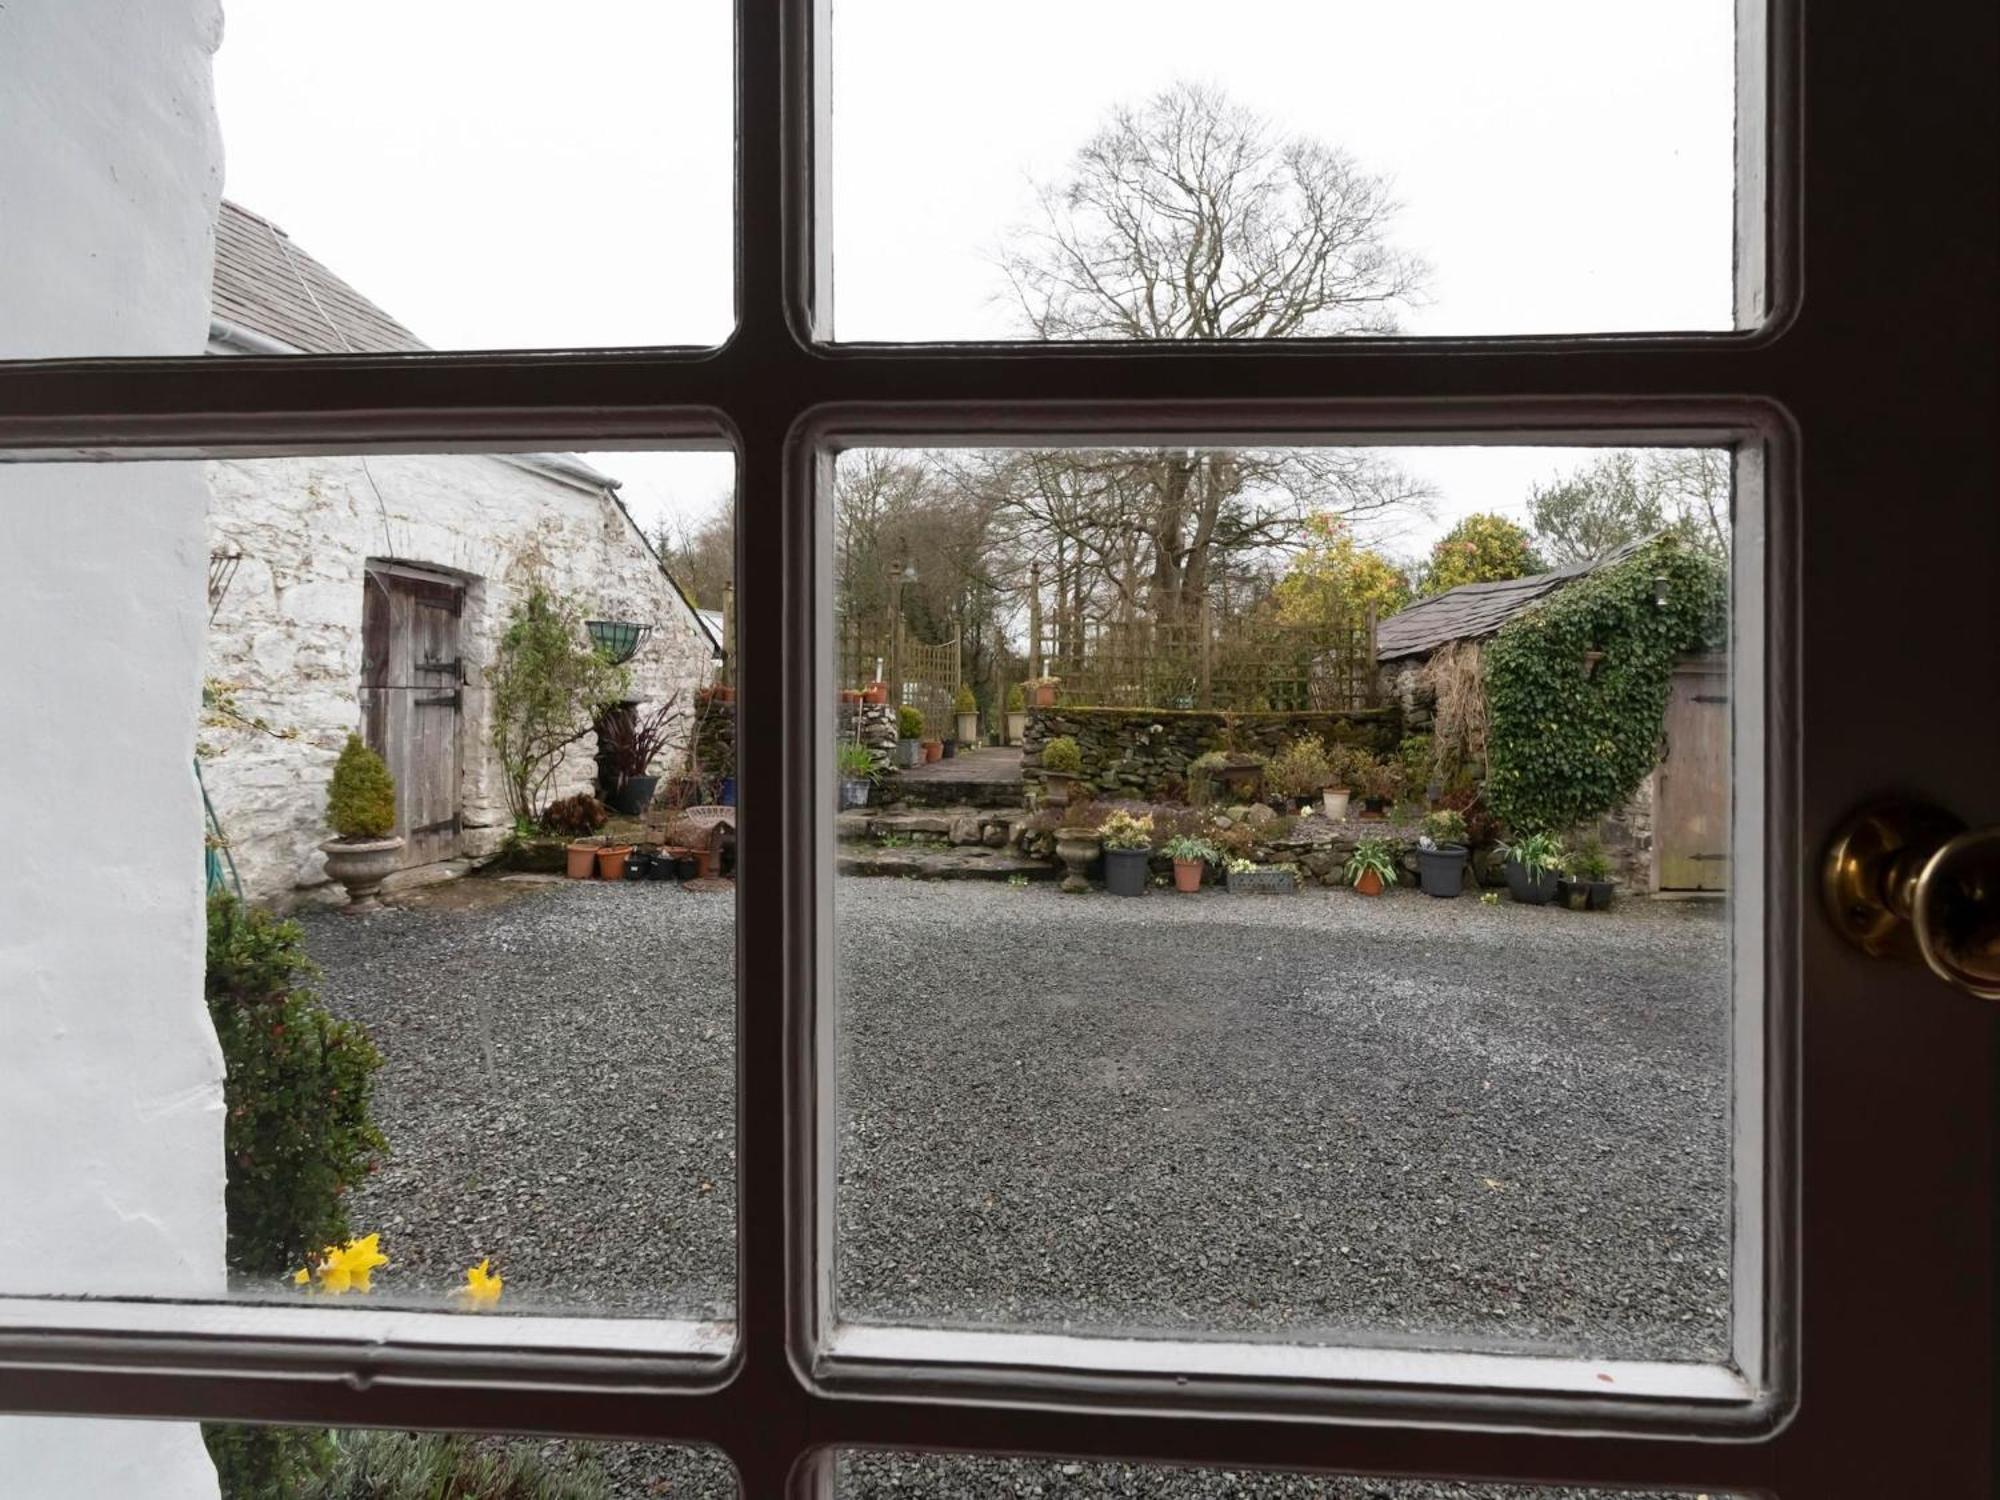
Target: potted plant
(1017, 715)
(909, 736)
(933, 750)
(1190, 855)
(1128, 846)
(1299, 771)
(856, 764)
(966, 708)
(1442, 853)
(1228, 775)
(361, 811)
(1247, 878)
(611, 857)
(1371, 869)
(849, 697)
(1078, 847)
(1062, 769)
(1346, 768)
(1588, 884)
(1534, 865)
(631, 743)
(1381, 785)
(1042, 691)
(875, 692)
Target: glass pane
(421, 696)
(1135, 170)
(876, 1476)
(1263, 1100)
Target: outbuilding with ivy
(1590, 701)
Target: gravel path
(1417, 1119)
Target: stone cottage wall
(1145, 752)
(287, 634)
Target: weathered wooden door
(410, 701)
(1691, 822)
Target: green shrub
(1349, 767)
(909, 722)
(1445, 826)
(1017, 699)
(1590, 862)
(1301, 768)
(431, 1466)
(361, 798)
(264, 1463)
(1415, 755)
(297, 1133)
(545, 686)
(1064, 755)
(964, 703)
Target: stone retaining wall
(1145, 752)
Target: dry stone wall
(1145, 752)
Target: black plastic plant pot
(1125, 871)
(1596, 894)
(636, 795)
(637, 865)
(1531, 890)
(1441, 871)
(950, 749)
(659, 867)
(686, 867)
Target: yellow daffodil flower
(482, 1287)
(346, 1268)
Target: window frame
(778, 394)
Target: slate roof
(1473, 610)
(267, 285)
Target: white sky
(507, 175)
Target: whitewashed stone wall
(287, 635)
(111, 1109)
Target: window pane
(1498, 1121)
(870, 1476)
(421, 693)
(1135, 170)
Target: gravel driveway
(1417, 1119)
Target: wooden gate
(411, 698)
(1691, 797)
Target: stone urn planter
(968, 728)
(1076, 848)
(1017, 727)
(361, 865)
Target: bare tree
(700, 554)
(1624, 494)
(1190, 217)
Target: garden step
(955, 825)
(935, 862)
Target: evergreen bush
(361, 798)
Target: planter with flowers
(1247, 878)
(1128, 848)
(1371, 869)
(1190, 855)
(1534, 868)
(361, 810)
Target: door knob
(1903, 880)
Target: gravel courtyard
(1412, 1119)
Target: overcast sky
(513, 175)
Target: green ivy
(1569, 740)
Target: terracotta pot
(1187, 875)
(850, 695)
(362, 865)
(875, 692)
(1043, 696)
(724, 695)
(1370, 883)
(704, 863)
(611, 861)
(582, 860)
(933, 750)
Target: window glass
(867, 1476)
(1294, 901)
(459, 781)
(1150, 170)
(410, 181)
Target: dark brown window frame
(777, 1403)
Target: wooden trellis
(1190, 664)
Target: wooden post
(729, 634)
(1207, 628)
(1034, 619)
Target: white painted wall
(287, 635)
(110, 167)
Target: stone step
(913, 792)
(993, 827)
(972, 862)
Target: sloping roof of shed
(1473, 610)
(266, 284)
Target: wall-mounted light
(1660, 590)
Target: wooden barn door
(411, 699)
(1691, 823)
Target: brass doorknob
(1903, 880)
